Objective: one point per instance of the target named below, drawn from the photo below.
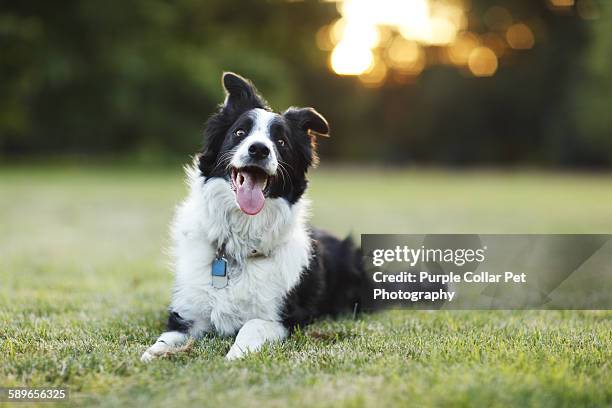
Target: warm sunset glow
(495, 42)
(442, 31)
(482, 62)
(365, 35)
(397, 39)
(562, 3)
(413, 13)
(375, 76)
(403, 52)
(520, 37)
(323, 38)
(365, 23)
(461, 49)
(351, 59)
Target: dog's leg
(253, 335)
(165, 343)
(178, 332)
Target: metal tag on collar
(219, 273)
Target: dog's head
(261, 154)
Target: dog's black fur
(334, 283)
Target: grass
(84, 284)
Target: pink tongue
(249, 195)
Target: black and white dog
(245, 259)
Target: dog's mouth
(250, 184)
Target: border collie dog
(246, 261)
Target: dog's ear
(310, 123)
(216, 126)
(241, 94)
(308, 120)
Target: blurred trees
(142, 76)
(591, 101)
(95, 76)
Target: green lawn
(84, 284)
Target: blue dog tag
(219, 273)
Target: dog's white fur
(252, 301)
(260, 133)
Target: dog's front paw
(154, 351)
(236, 353)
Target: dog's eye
(281, 142)
(240, 132)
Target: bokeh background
(427, 82)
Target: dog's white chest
(255, 290)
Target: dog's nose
(258, 151)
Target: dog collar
(218, 270)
